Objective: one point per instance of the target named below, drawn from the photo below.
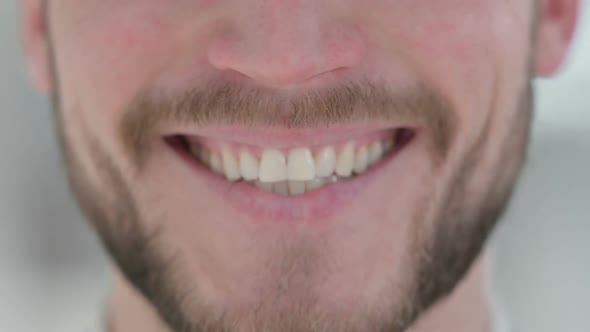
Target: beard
(443, 244)
(442, 249)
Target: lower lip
(272, 209)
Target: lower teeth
(291, 188)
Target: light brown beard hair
(448, 251)
(226, 104)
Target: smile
(297, 170)
(291, 175)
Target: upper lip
(284, 138)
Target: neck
(466, 309)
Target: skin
(187, 262)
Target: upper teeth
(300, 165)
(345, 160)
(273, 166)
(296, 171)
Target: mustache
(231, 104)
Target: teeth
(291, 187)
(297, 172)
(197, 152)
(314, 184)
(248, 166)
(296, 187)
(231, 167)
(264, 185)
(300, 165)
(325, 162)
(361, 160)
(388, 145)
(281, 188)
(345, 161)
(215, 163)
(204, 154)
(375, 152)
(273, 166)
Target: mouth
(286, 174)
(292, 171)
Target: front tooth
(231, 167)
(325, 162)
(248, 166)
(361, 160)
(215, 163)
(273, 167)
(281, 188)
(296, 187)
(375, 152)
(300, 165)
(345, 161)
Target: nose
(286, 43)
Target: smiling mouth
(295, 170)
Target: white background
(53, 274)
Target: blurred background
(54, 275)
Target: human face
(150, 95)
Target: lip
(281, 138)
(272, 209)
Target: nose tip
(276, 63)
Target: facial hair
(442, 256)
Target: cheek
(104, 61)
(465, 48)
